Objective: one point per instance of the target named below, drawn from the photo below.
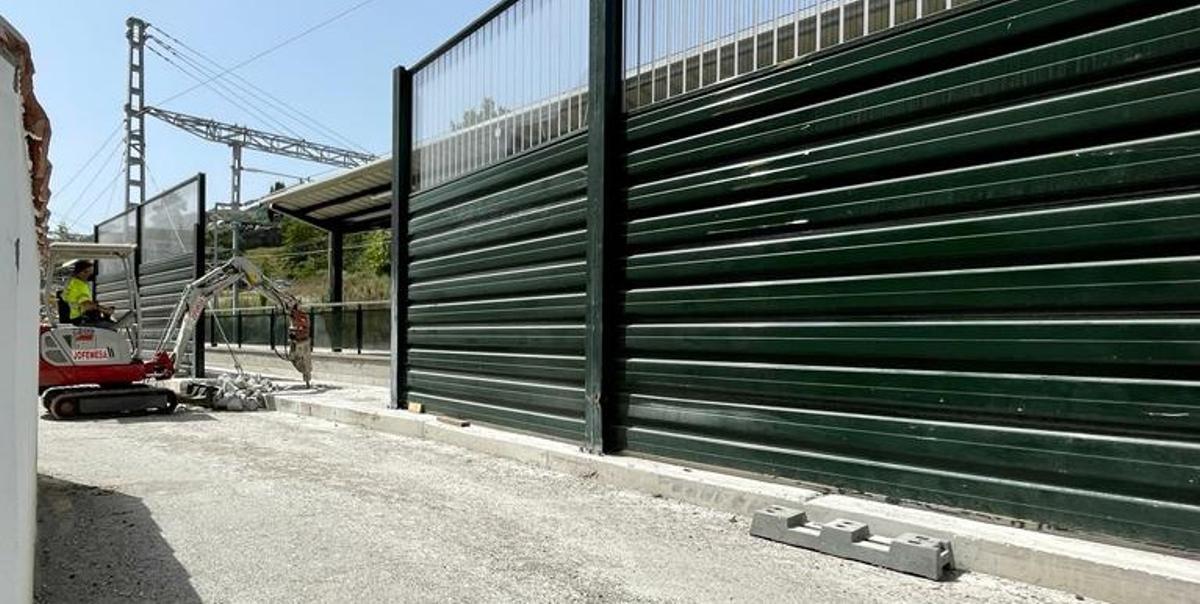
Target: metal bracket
(909, 553)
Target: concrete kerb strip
(1093, 570)
(731, 494)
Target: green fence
(950, 262)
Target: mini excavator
(99, 368)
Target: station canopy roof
(356, 199)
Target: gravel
(271, 507)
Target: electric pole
(135, 117)
(237, 138)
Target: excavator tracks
(72, 401)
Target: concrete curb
(1099, 571)
(731, 494)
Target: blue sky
(340, 75)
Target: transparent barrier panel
(516, 83)
(169, 223)
(673, 47)
(118, 229)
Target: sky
(338, 75)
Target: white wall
(19, 285)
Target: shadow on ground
(189, 414)
(99, 545)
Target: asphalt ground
(272, 507)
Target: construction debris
(232, 392)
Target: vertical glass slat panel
(830, 27)
(879, 15)
(853, 26)
(675, 47)
(502, 90)
(519, 81)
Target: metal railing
(349, 327)
(510, 82)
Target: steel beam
(201, 268)
(402, 132)
(336, 266)
(320, 224)
(259, 140)
(604, 178)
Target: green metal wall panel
(955, 264)
(496, 293)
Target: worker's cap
(80, 265)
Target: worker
(84, 310)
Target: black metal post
(402, 102)
(96, 272)
(336, 290)
(199, 337)
(198, 369)
(604, 177)
(358, 328)
(237, 326)
(136, 295)
(271, 328)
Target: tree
(488, 109)
(303, 245)
(372, 253)
(63, 233)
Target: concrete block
(910, 553)
(838, 536)
(774, 522)
(1100, 571)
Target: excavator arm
(196, 296)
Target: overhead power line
(95, 154)
(249, 106)
(222, 91)
(236, 137)
(262, 95)
(107, 188)
(270, 50)
(68, 214)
